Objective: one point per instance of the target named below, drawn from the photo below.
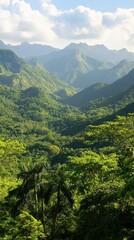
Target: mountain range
(79, 65)
(33, 81)
(79, 70)
(99, 52)
(59, 153)
(26, 49)
(106, 75)
(101, 90)
(15, 72)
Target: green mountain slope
(17, 73)
(67, 65)
(128, 109)
(77, 68)
(104, 75)
(37, 133)
(102, 53)
(101, 91)
(105, 109)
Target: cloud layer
(49, 25)
(19, 22)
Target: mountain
(106, 109)
(99, 52)
(26, 49)
(16, 72)
(104, 75)
(78, 64)
(68, 65)
(100, 90)
(9, 62)
(102, 53)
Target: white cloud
(49, 25)
(4, 3)
(116, 30)
(19, 22)
(49, 8)
(78, 23)
(119, 28)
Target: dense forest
(66, 157)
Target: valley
(66, 142)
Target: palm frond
(67, 193)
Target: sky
(60, 22)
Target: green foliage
(14, 72)
(41, 199)
(68, 65)
(23, 227)
(10, 153)
(103, 191)
(117, 135)
(106, 74)
(84, 97)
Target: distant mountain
(99, 52)
(104, 75)
(79, 65)
(15, 72)
(26, 49)
(69, 65)
(102, 53)
(100, 90)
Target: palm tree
(31, 178)
(57, 185)
(44, 184)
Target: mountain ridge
(107, 75)
(97, 91)
(15, 72)
(99, 52)
(25, 49)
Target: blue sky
(60, 22)
(99, 5)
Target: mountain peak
(25, 43)
(76, 45)
(2, 44)
(10, 60)
(101, 46)
(123, 50)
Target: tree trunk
(36, 196)
(43, 215)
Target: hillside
(102, 53)
(15, 72)
(106, 109)
(75, 67)
(63, 169)
(68, 65)
(100, 90)
(104, 75)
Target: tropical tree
(56, 192)
(31, 180)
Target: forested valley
(66, 156)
